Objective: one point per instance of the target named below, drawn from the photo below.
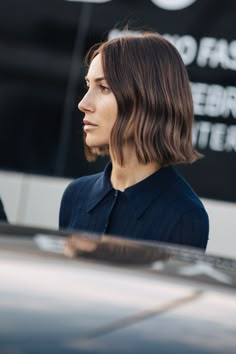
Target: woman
(139, 110)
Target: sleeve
(192, 229)
(66, 206)
(3, 216)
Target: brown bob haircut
(155, 107)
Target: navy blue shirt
(162, 207)
(3, 216)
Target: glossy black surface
(90, 294)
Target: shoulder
(75, 194)
(81, 185)
(189, 219)
(182, 196)
(192, 228)
(191, 225)
(2, 212)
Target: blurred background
(42, 46)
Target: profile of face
(149, 109)
(99, 106)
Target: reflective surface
(111, 296)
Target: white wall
(35, 200)
(30, 199)
(222, 238)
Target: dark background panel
(42, 45)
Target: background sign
(42, 44)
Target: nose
(86, 104)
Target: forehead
(95, 69)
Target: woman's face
(99, 106)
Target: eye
(104, 89)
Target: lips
(88, 123)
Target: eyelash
(102, 88)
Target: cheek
(113, 112)
(112, 120)
(109, 110)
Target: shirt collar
(142, 194)
(101, 188)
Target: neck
(131, 173)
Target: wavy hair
(155, 105)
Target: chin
(92, 145)
(95, 144)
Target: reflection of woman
(3, 216)
(138, 108)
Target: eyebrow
(98, 79)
